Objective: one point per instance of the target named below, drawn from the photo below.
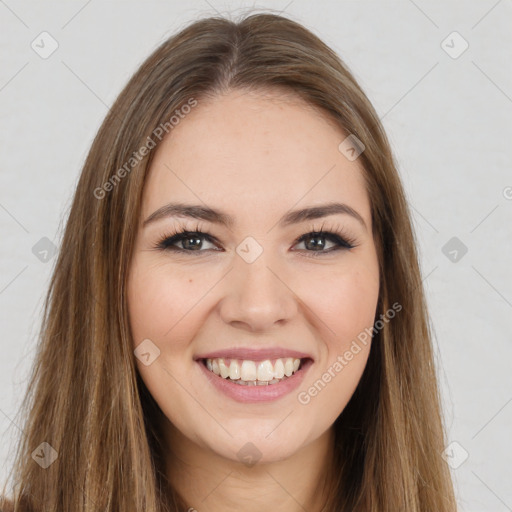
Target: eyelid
(336, 230)
(338, 234)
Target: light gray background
(447, 119)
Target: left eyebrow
(219, 217)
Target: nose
(258, 296)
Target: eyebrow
(219, 217)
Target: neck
(209, 482)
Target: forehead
(252, 149)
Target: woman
(202, 347)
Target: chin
(259, 442)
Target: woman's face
(244, 298)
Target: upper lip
(254, 354)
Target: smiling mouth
(246, 372)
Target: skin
(255, 156)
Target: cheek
(161, 306)
(345, 305)
(160, 302)
(346, 311)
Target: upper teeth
(250, 370)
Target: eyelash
(337, 235)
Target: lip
(255, 394)
(255, 354)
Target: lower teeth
(256, 382)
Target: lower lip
(251, 394)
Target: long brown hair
(85, 397)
